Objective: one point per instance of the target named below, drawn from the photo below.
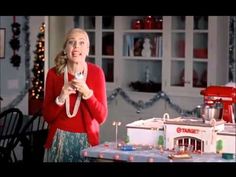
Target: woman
(75, 102)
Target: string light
(100, 155)
(38, 70)
(131, 158)
(150, 159)
(116, 157)
(85, 153)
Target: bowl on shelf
(145, 86)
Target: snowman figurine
(146, 52)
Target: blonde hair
(61, 58)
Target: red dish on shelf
(200, 53)
(137, 24)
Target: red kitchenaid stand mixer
(224, 94)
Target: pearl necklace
(78, 100)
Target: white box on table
(145, 132)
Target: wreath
(15, 60)
(15, 27)
(15, 43)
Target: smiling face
(77, 45)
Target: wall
(120, 110)
(12, 80)
(57, 27)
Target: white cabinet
(179, 55)
(178, 50)
(140, 54)
(101, 31)
(196, 53)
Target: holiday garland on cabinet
(141, 105)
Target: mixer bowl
(209, 113)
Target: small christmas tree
(160, 141)
(127, 139)
(219, 146)
(37, 91)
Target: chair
(33, 137)
(10, 124)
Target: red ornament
(150, 159)
(116, 157)
(100, 155)
(131, 158)
(106, 145)
(85, 153)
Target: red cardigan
(91, 113)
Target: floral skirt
(66, 147)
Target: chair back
(36, 123)
(33, 137)
(10, 124)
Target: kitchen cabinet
(179, 55)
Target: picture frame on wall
(2, 42)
